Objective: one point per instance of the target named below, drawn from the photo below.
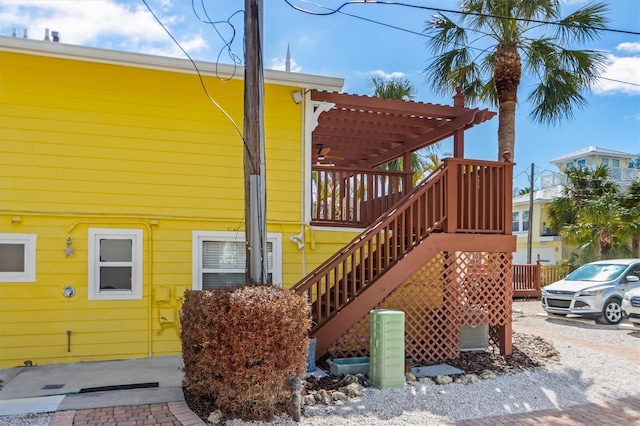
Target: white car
(631, 306)
(594, 290)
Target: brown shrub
(241, 346)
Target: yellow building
(546, 246)
(122, 185)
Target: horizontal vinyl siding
(95, 138)
(97, 146)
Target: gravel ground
(581, 376)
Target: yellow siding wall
(87, 145)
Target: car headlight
(592, 292)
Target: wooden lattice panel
(449, 291)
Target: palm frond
(585, 24)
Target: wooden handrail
(456, 186)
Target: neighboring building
(622, 165)
(546, 246)
(122, 186)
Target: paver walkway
(165, 414)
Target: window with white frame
(115, 264)
(520, 221)
(17, 258)
(581, 163)
(219, 259)
(615, 162)
(604, 161)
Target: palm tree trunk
(507, 70)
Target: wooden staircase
(460, 198)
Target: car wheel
(612, 311)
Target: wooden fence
(528, 280)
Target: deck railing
(454, 187)
(352, 197)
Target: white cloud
(633, 47)
(103, 23)
(619, 72)
(280, 64)
(385, 75)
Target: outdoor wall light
(297, 97)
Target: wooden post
(254, 160)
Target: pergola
(357, 131)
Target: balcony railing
(353, 197)
(623, 176)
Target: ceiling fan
(323, 154)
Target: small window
(219, 259)
(581, 163)
(615, 162)
(525, 220)
(17, 258)
(569, 165)
(515, 221)
(604, 161)
(115, 264)
(520, 221)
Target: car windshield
(599, 272)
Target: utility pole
(254, 159)
(530, 230)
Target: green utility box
(386, 369)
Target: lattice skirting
(451, 290)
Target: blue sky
(351, 46)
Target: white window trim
(95, 234)
(29, 274)
(199, 236)
(521, 230)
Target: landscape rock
(462, 380)
(488, 375)
(410, 377)
(348, 379)
(472, 378)
(352, 390)
(309, 399)
(427, 381)
(215, 417)
(443, 380)
(323, 397)
(339, 396)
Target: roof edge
(162, 63)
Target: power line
(204, 87)
(435, 9)
(332, 11)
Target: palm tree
(392, 88)
(601, 231)
(583, 184)
(402, 89)
(495, 41)
(631, 202)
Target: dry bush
(241, 346)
